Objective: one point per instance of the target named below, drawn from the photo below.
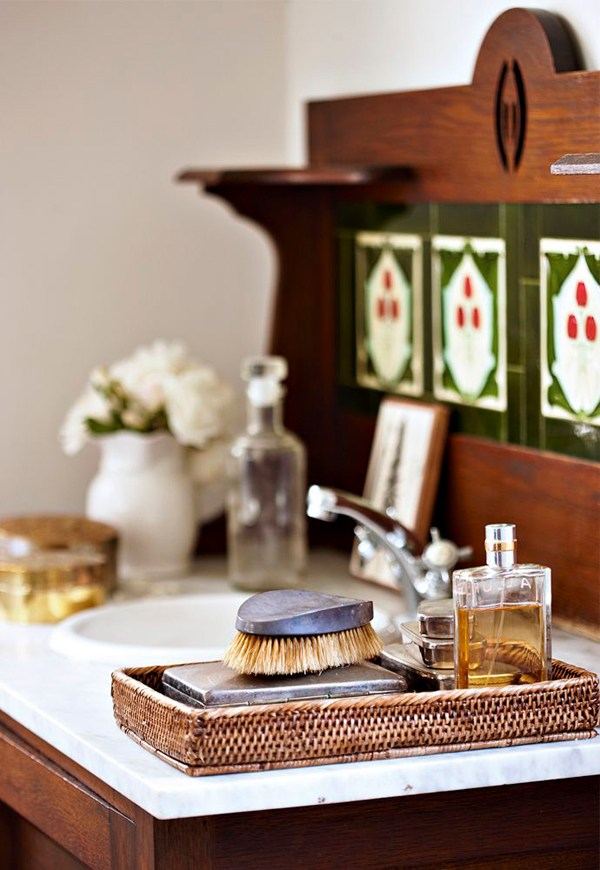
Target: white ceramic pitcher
(142, 488)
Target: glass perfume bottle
(267, 487)
(505, 607)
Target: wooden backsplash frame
(491, 141)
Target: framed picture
(403, 473)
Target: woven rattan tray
(305, 733)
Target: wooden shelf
(577, 164)
(309, 176)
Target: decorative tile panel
(389, 319)
(570, 330)
(522, 252)
(469, 314)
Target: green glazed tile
(515, 414)
(570, 221)
(529, 226)
(469, 220)
(412, 218)
(530, 304)
(574, 439)
(480, 422)
(514, 321)
(569, 325)
(358, 400)
(388, 299)
(469, 321)
(427, 323)
(346, 319)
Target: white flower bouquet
(157, 389)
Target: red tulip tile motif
(570, 330)
(388, 318)
(469, 321)
(468, 316)
(389, 327)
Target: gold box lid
(58, 531)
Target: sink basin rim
(69, 637)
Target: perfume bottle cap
(500, 544)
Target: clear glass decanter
(267, 487)
(502, 617)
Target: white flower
(197, 402)
(100, 378)
(74, 432)
(142, 375)
(157, 388)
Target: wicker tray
(305, 733)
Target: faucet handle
(442, 554)
(367, 545)
(465, 553)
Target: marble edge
(167, 793)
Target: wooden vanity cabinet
(54, 815)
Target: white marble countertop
(67, 703)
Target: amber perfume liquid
(501, 617)
(513, 648)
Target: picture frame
(403, 473)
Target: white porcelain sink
(168, 630)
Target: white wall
(337, 47)
(102, 103)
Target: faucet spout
(382, 530)
(421, 576)
(324, 503)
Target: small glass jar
(267, 487)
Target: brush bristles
(258, 654)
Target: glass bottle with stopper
(267, 473)
(507, 606)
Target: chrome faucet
(421, 576)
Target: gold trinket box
(47, 586)
(30, 534)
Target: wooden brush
(297, 631)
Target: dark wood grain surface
(514, 825)
(309, 176)
(27, 781)
(46, 824)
